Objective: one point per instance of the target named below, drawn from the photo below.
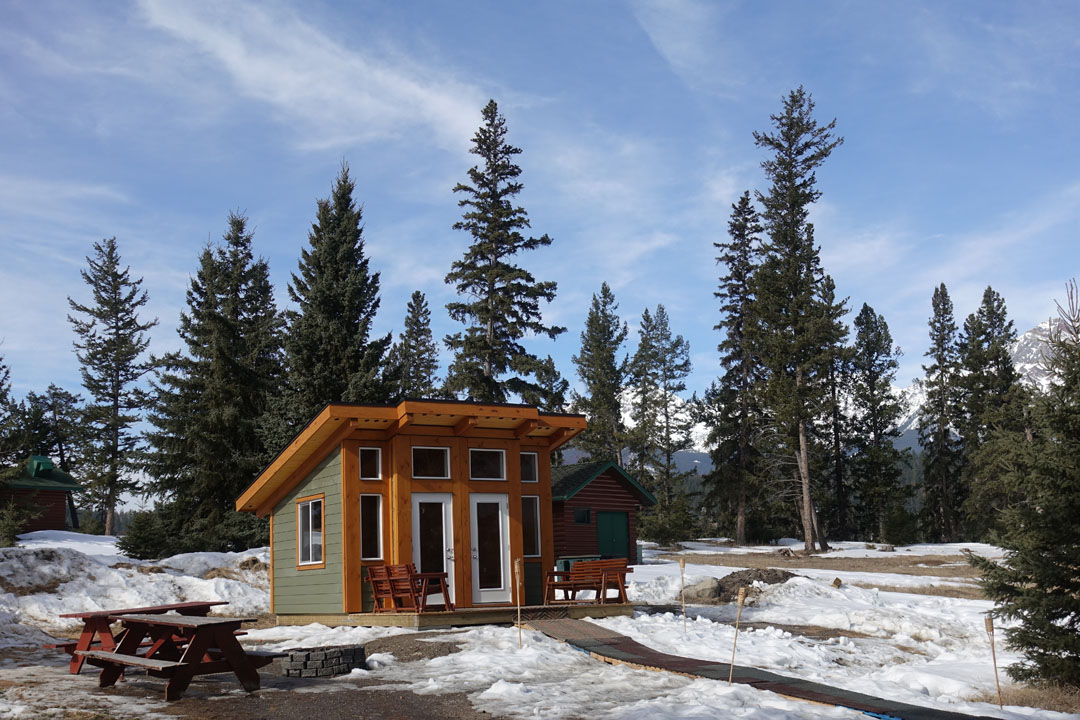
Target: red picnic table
(180, 647)
(97, 633)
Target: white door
(490, 524)
(433, 536)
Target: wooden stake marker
(738, 616)
(517, 585)
(682, 576)
(993, 654)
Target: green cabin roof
(39, 473)
(568, 480)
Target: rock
(715, 591)
(837, 583)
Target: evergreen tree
(414, 358)
(795, 326)
(990, 397)
(330, 354)
(837, 431)
(662, 426)
(733, 409)
(877, 465)
(549, 395)
(603, 376)
(504, 304)
(8, 453)
(51, 424)
(205, 447)
(938, 421)
(111, 342)
(1038, 580)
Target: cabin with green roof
(44, 489)
(595, 508)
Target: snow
(918, 649)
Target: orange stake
(993, 654)
(738, 615)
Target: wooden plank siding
(50, 505)
(605, 493)
(314, 589)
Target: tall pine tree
(1038, 581)
(732, 408)
(504, 299)
(603, 375)
(330, 354)
(414, 359)
(939, 419)
(110, 347)
(876, 466)
(795, 326)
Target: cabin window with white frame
(431, 463)
(370, 463)
(487, 464)
(528, 467)
(309, 523)
(530, 525)
(371, 527)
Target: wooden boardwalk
(611, 647)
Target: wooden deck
(502, 615)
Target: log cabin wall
(605, 493)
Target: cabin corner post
(547, 524)
(351, 566)
(401, 500)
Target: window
(371, 527)
(431, 462)
(309, 528)
(528, 467)
(370, 463)
(487, 464)
(582, 516)
(530, 525)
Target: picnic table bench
(181, 647)
(406, 588)
(97, 631)
(598, 576)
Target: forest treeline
(801, 421)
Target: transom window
(487, 464)
(431, 463)
(530, 525)
(371, 527)
(528, 467)
(370, 463)
(309, 527)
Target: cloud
(332, 95)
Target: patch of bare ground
(966, 592)
(808, 631)
(1048, 697)
(902, 563)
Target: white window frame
(536, 467)
(302, 507)
(378, 463)
(379, 534)
(446, 454)
(539, 546)
(502, 464)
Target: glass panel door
(490, 524)
(433, 536)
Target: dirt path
(945, 566)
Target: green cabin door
(614, 534)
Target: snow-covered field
(919, 649)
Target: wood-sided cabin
(595, 508)
(44, 490)
(456, 487)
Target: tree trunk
(806, 507)
(740, 515)
(818, 532)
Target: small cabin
(45, 490)
(595, 507)
(456, 487)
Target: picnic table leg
(238, 659)
(128, 645)
(193, 655)
(92, 627)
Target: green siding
(317, 590)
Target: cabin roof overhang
(568, 480)
(341, 421)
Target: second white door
(490, 525)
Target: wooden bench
(160, 667)
(598, 576)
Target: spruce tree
(110, 347)
(205, 447)
(51, 424)
(603, 375)
(331, 356)
(795, 326)
(662, 426)
(8, 452)
(732, 407)
(504, 299)
(877, 465)
(836, 428)
(939, 418)
(414, 359)
(1038, 581)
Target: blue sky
(152, 120)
